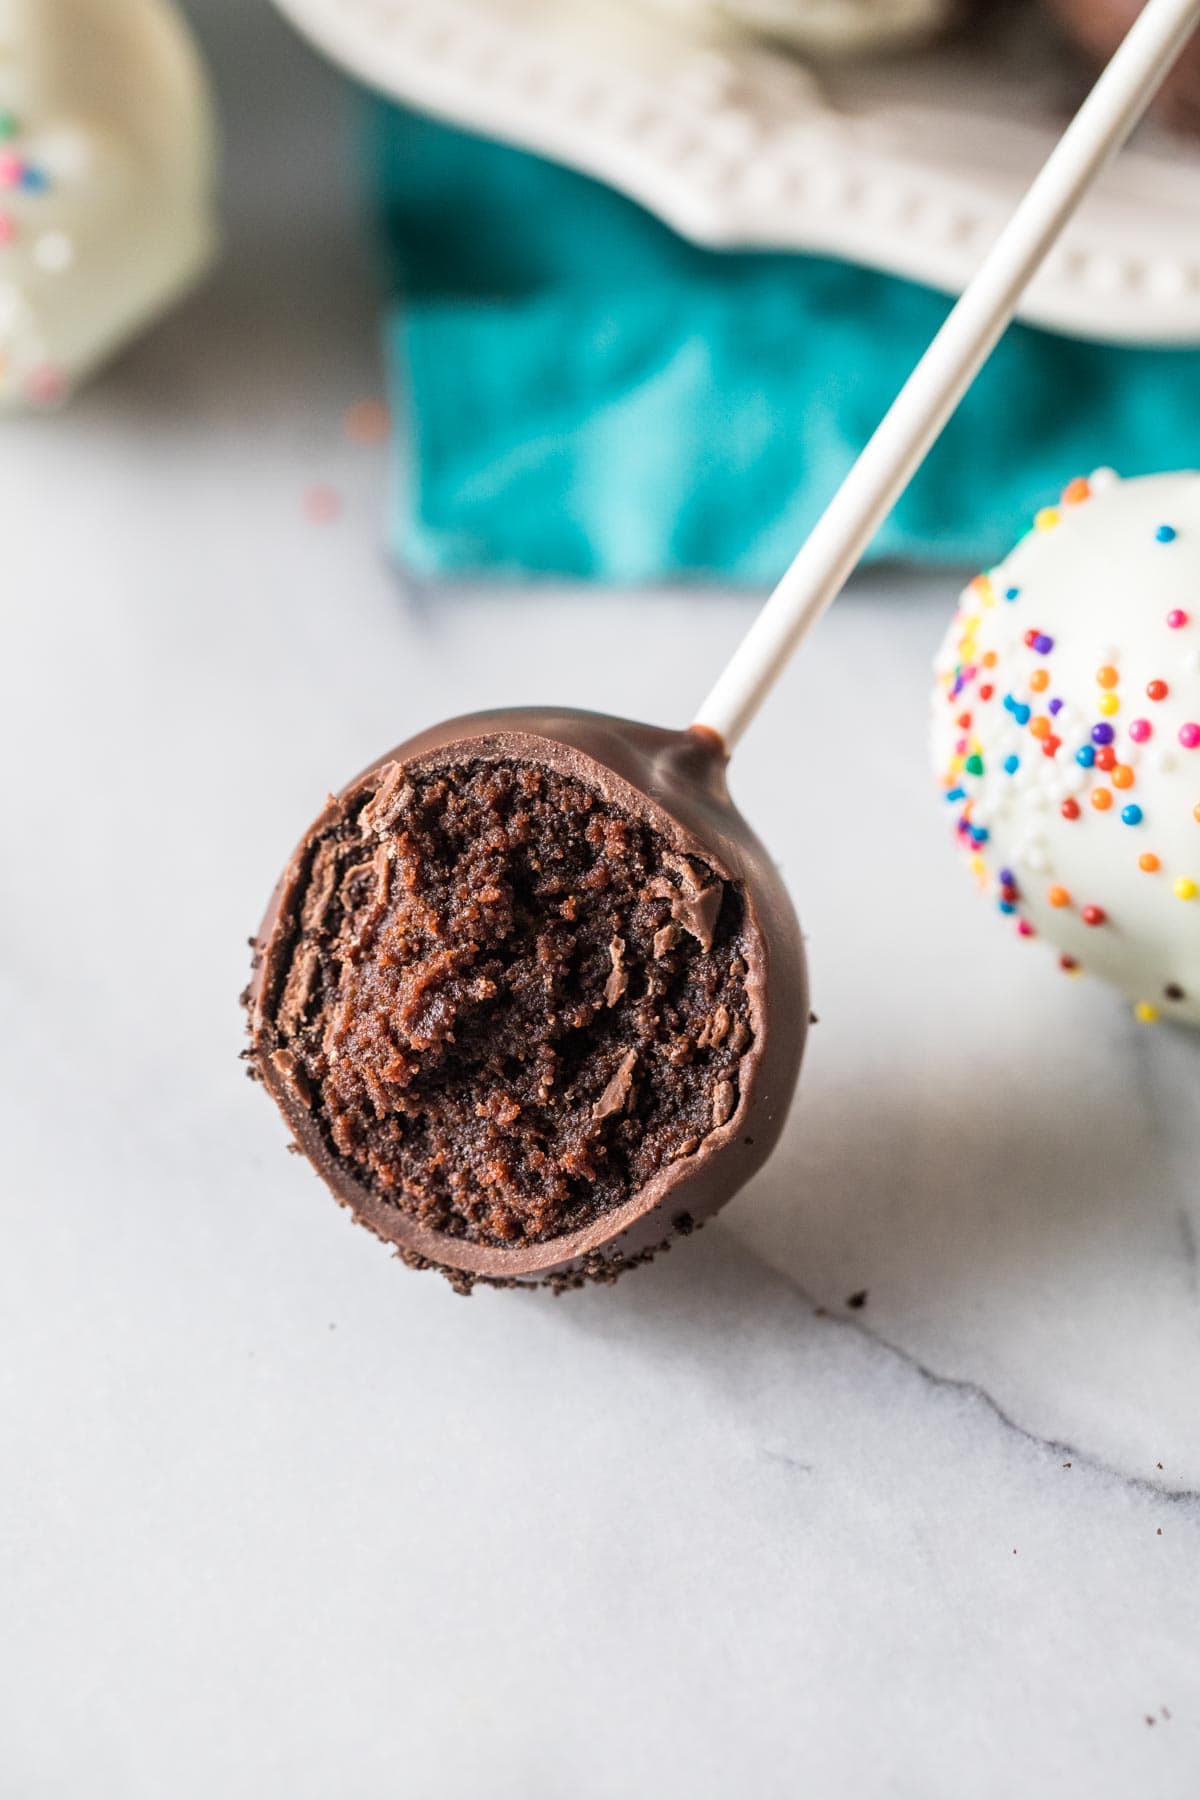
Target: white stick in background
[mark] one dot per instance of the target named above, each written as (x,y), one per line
(920,410)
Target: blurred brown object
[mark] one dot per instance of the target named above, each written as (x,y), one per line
(1096,27)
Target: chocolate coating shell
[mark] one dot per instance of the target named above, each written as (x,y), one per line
(675,782)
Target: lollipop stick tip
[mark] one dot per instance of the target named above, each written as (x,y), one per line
(710,740)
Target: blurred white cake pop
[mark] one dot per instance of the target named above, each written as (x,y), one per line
(106,158)
(1067,735)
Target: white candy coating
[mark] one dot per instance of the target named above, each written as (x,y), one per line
(1108,583)
(106,171)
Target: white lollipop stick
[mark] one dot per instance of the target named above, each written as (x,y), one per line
(916,416)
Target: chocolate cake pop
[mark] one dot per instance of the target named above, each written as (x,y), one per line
(532,996)
(1067,735)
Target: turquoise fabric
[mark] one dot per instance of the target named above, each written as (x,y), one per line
(583,393)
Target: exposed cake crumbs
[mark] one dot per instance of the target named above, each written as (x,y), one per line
(507,1004)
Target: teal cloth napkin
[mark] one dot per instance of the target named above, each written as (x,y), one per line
(584,393)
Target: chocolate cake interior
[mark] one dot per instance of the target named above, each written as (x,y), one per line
(506,1003)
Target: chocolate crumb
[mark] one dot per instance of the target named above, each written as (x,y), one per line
(618,981)
(720,1027)
(381,809)
(613,1099)
(290,1072)
(699,914)
(724,1101)
(299,990)
(695,902)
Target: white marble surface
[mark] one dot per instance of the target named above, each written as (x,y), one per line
(282,1521)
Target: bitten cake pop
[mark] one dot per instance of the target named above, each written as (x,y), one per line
(530,993)
(1067,735)
(105,183)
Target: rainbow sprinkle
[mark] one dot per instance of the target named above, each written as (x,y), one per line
(1001,717)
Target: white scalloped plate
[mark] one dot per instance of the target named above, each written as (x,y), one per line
(909,165)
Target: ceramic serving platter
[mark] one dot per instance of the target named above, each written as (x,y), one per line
(907,164)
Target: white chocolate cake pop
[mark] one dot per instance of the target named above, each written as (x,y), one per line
(105,183)
(1067,735)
